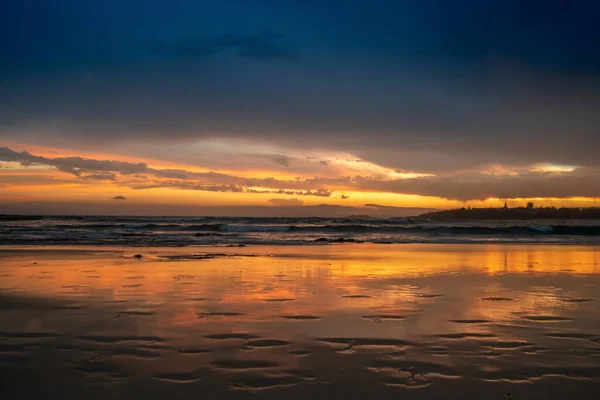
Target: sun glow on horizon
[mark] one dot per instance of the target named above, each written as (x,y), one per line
(549,167)
(259,179)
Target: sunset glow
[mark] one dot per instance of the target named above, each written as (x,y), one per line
(66,176)
(379,112)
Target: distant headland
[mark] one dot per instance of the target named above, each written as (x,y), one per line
(506,213)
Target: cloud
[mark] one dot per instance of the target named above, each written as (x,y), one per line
(264,47)
(74,165)
(379,206)
(585,183)
(130,174)
(101,176)
(119,198)
(508,183)
(279,159)
(286,202)
(317,192)
(186,185)
(400,84)
(190,47)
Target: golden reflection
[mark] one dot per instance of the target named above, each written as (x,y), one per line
(397,312)
(317,279)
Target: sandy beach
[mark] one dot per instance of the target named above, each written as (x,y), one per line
(392,321)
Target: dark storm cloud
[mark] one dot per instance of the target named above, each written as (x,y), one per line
(433,85)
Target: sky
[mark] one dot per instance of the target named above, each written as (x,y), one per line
(297,107)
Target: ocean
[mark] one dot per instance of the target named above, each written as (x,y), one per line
(237,231)
(235,308)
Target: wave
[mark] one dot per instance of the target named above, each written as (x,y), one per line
(283,240)
(423,229)
(189,231)
(456,230)
(255,228)
(363,228)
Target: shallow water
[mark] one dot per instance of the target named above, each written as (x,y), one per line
(420,321)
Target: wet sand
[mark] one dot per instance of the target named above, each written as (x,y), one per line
(345,321)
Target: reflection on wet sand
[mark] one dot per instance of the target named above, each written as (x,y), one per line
(478,320)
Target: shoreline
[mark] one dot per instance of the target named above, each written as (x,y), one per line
(278,247)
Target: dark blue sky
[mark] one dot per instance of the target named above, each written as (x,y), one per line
(465,82)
